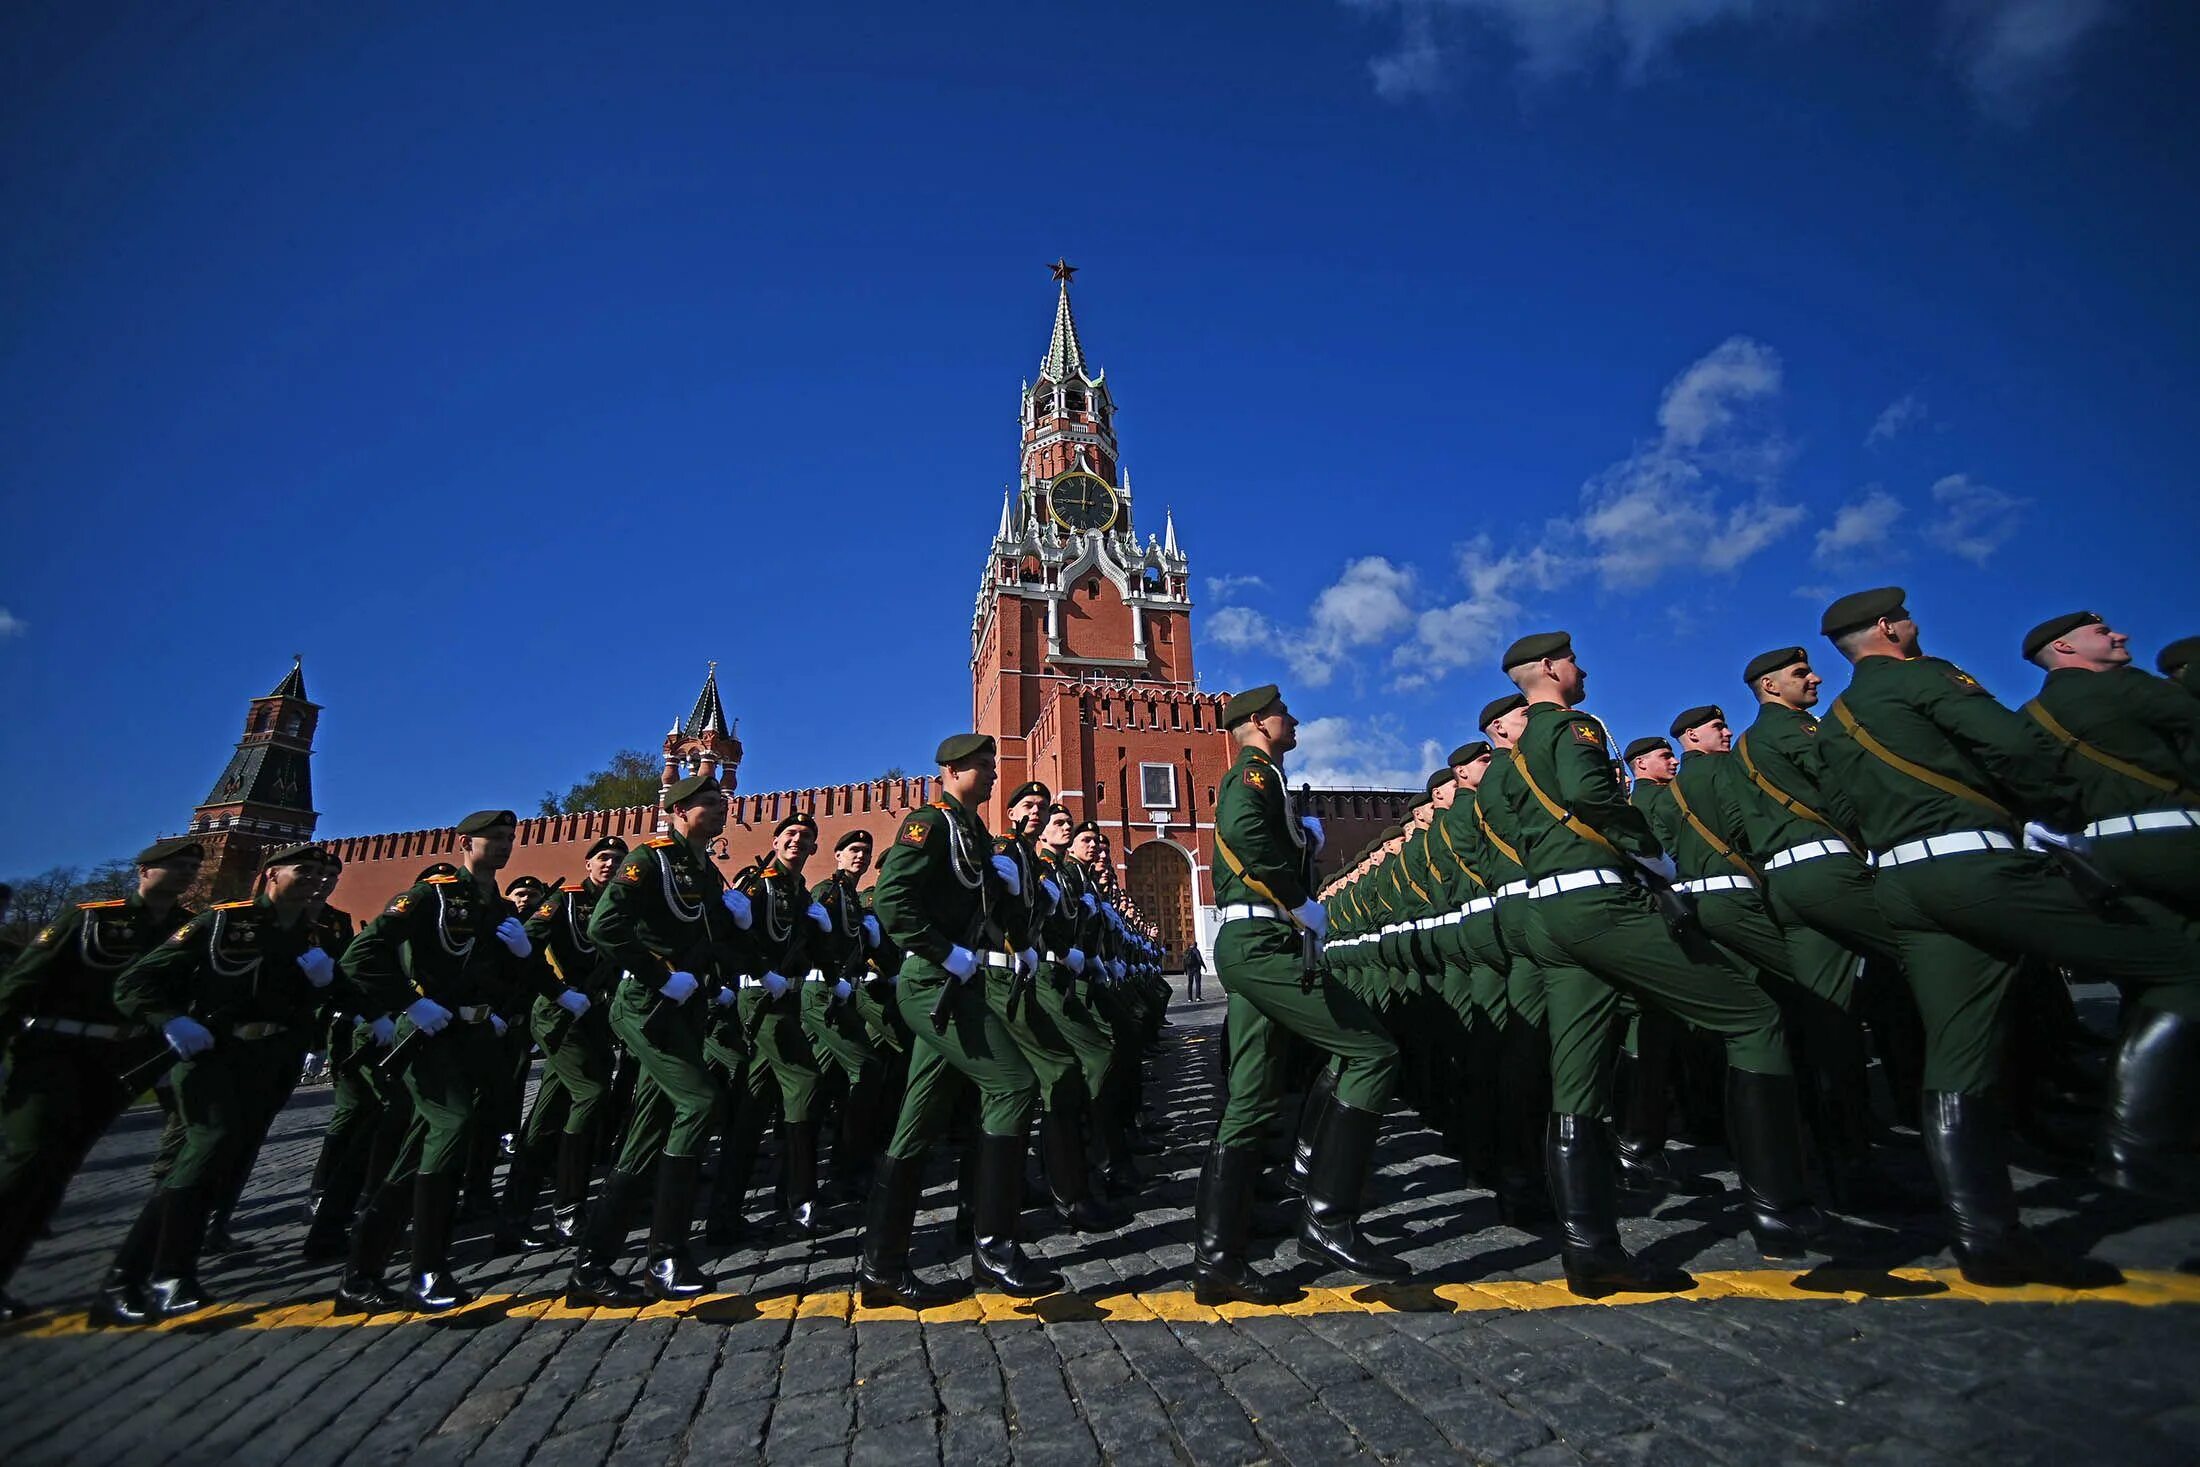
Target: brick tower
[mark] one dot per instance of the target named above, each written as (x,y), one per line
(702,743)
(264,799)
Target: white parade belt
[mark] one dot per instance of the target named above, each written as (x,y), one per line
(1566,881)
(1703,884)
(1955,843)
(2149,820)
(1810,851)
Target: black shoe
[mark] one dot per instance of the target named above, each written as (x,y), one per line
(676,1277)
(2147,1144)
(325,1242)
(179,1295)
(566,1222)
(799,1208)
(1765,1130)
(883,1274)
(365,1294)
(1588,1215)
(906,1289)
(220,1240)
(594,1283)
(1090,1215)
(996,1260)
(1964,1137)
(518,1235)
(1223,1211)
(1330,1231)
(122,1301)
(435,1292)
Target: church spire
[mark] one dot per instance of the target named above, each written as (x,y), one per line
(1065,358)
(293,684)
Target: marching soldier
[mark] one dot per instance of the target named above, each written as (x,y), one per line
(1268,958)
(449,953)
(839,1015)
(234,992)
(1943,779)
(1475,948)
(1525,1105)
(1597,928)
(67,1045)
(1116,1106)
(2134,742)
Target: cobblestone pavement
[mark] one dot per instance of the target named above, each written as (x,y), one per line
(1481,1360)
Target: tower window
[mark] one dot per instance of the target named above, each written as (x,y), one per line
(1074,402)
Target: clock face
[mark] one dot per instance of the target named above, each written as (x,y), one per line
(1081,502)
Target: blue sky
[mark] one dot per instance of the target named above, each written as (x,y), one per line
(510,372)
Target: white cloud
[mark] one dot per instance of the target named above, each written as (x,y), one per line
(1975,519)
(12,625)
(1470,630)
(1860,526)
(1905,412)
(1343,753)
(2006,52)
(1716,388)
(1366,605)
(1222,588)
(1241,629)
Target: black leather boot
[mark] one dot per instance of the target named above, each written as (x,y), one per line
(219,1239)
(799,1208)
(1841,1119)
(431,1289)
(996,1259)
(328,1235)
(728,1224)
(1640,1103)
(175,1287)
(1965,1140)
(672,1273)
(122,1298)
(883,1273)
(595,1280)
(1337,1179)
(1588,1215)
(1313,1112)
(1478,1103)
(569,1195)
(1765,1131)
(373,1237)
(2147,1142)
(1523,1109)
(515,1231)
(1063,1156)
(1223,1217)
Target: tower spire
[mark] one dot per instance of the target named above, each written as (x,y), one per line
(1008,528)
(1065,358)
(1168,533)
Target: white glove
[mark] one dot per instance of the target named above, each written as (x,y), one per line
(727,998)
(961,962)
(2038,837)
(1074,960)
(738,905)
(1122,970)
(187,1036)
(1027,961)
(574,1002)
(1313,826)
(318,966)
(1092,903)
(775,984)
(873,935)
(1054,892)
(1313,916)
(496,1022)
(680,987)
(514,937)
(1661,864)
(1011,877)
(383,1031)
(427,1015)
(842,988)
(821,917)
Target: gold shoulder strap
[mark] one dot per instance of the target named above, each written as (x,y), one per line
(1918,772)
(1704,832)
(1493,837)
(2106,760)
(1229,858)
(1458,860)
(1561,814)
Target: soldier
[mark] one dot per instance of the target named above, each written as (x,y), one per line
(2136,746)
(668,921)
(1597,928)
(787,942)
(234,992)
(66,1046)
(2180,663)
(573,1029)
(457,948)
(1471,947)
(1525,1091)
(1268,958)
(836,1012)
(1943,778)
(1116,1105)
(938,889)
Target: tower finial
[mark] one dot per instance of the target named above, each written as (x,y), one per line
(1063,270)
(1065,358)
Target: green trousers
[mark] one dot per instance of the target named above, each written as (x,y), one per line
(1966,922)
(1604,941)
(1257,962)
(226,1098)
(2161,866)
(975,1049)
(840,1035)
(1832,921)
(1065,1008)
(451,1075)
(577,1060)
(783,1059)
(882,1021)
(675,1098)
(1524,980)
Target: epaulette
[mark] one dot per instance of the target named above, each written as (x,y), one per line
(232,906)
(441,880)
(109,902)
(573,886)
(662,840)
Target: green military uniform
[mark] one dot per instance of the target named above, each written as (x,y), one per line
(1942,778)
(2179,662)
(841,1018)
(66,1046)
(1075,992)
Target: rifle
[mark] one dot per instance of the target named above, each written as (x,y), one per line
(143,1076)
(392,1064)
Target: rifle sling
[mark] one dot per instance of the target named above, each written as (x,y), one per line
(1929,777)
(2147,777)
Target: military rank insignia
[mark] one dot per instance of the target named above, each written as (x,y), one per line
(1256,776)
(630,872)
(401,906)
(1589,736)
(914,832)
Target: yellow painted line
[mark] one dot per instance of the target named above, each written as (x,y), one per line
(2141,1287)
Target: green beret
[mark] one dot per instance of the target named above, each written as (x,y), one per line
(1091,825)
(2048,630)
(800,818)
(1438,778)
(853,838)
(609,843)
(330,858)
(1420,800)
(2179,654)
(1028,788)
(161,852)
(1695,718)
(525,883)
(1862,608)
(684,790)
(1497,708)
(486,820)
(1770,662)
(1536,646)
(1468,752)
(1648,744)
(962,746)
(303,854)
(1248,704)
(434,869)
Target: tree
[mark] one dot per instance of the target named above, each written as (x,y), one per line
(41,899)
(894,771)
(633,777)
